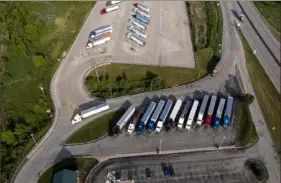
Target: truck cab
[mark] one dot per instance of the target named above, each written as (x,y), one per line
(216,123)
(159,126)
(226,121)
(208,120)
(140,128)
(131,128)
(150,126)
(169,125)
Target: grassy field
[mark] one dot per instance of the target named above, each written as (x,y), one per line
(30,56)
(267,96)
(95,129)
(83,165)
(124,79)
(246,132)
(271,11)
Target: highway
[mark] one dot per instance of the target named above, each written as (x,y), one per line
(68,91)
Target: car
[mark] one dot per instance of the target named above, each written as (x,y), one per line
(148,173)
(172,172)
(166,171)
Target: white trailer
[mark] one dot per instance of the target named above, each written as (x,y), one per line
(138,24)
(92,36)
(191,115)
(125,118)
(103,29)
(138,5)
(164,115)
(184,113)
(109,3)
(89,112)
(110,8)
(141,12)
(202,110)
(133,124)
(137,31)
(135,38)
(92,44)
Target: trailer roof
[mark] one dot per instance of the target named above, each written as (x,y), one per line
(124,118)
(229,106)
(166,110)
(148,111)
(97,106)
(186,108)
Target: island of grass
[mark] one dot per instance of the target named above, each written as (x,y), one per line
(123,79)
(82,165)
(258,169)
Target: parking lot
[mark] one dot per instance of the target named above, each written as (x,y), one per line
(168,41)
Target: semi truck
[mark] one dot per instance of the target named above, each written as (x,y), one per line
(94,35)
(170,123)
(138,24)
(142,19)
(135,38)
(218,67)
(103,36)
(137,31)
(228,110)
(109,3)
(142,7)
(240,14)
(109,9)
(133,124)
(94,43)
(141,124)
(102,29)
(89,112)
(184,113)
(219,113)
(124,119)
(155,115)
(164,115)
(141,12)
(191,115)
(210,110)
(202,110)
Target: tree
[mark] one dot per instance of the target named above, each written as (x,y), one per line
(124,76)
(8,137)
(118,79)
(39,61)
(106,76)
(31,32)
(248,98)
(150,75)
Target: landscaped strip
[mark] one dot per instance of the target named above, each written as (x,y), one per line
(82,165)
(266,94)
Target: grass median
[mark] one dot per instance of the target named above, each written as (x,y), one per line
(267,95)
(82,165)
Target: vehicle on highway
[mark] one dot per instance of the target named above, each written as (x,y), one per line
(141,12)
(141,124)
(172,171)
(191,115)
(218,67)
(95,43)
(170,123)
(138,24)
(148,173)
(164,115)
(135,38)
(228,110)
(184,113)
(142,18)
(124,119)
(155,115)
(133,124)
(219,113)
(240,14)
(137,31)
(211,110)
(109,3)
(202,110)
(89,112)
(142,7)
(109,9)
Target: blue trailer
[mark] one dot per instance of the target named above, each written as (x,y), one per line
(142,19)
(228,110)
(145,117)
(155,115)
(219,113)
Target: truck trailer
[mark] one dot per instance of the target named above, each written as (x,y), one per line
(142,19)
(133,124)
(170,123)
(124,119)
(109,3)
(89,112)
(102,29)
(155,115)
(94,36)
(141,124)
(138,24)
(219,65)
(137,31)
(141,12)
(94,43)
(240,14)
(142,7)
(164,115)
(184,113)
(228,110)
(191,115)
(202,110)
(219,113)
(109,9)
(135,38)
(211,110)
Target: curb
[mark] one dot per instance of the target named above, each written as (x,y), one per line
(260,164)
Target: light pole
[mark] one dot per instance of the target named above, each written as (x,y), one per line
(33,138)
(160,146)
(221,142)
(42,90)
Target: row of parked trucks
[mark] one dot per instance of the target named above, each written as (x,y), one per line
(157,115)
(139,23)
